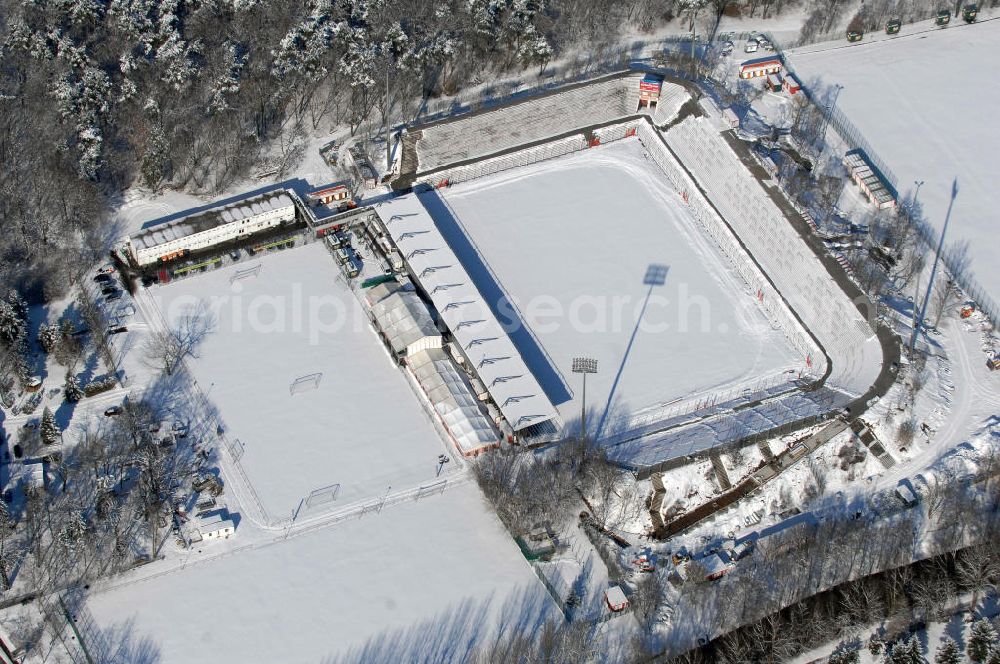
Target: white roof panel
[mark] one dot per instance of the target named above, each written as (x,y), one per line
(472,322)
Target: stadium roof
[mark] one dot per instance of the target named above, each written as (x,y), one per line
(452,399)
(401,315)
(202,221)
(472,322)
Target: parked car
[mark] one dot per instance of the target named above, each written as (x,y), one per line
(180,430)
(751,46)
(113,410)
(111,297)
(103,278)
(117,329)
(149,280)
(109,289)
(235,255)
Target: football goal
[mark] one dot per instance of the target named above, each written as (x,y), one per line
(245,273)
(305,383)
(322,496)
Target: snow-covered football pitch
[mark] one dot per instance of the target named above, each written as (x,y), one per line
(927,102)
(359,424)
(571,242)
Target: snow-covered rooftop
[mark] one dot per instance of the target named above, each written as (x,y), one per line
(218,216)
(470,318)
(401,315)
(453,401)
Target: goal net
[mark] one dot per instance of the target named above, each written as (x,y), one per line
(322,496)
(305,383)
(245,273)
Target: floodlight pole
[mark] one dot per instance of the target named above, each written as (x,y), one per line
(937,258)
(584,365)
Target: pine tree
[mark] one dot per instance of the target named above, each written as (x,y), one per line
(875,645)
(982,638)
(12,327)
(50,430)
(844,657)
(48,337)
(18,304)
(994,655)
(914,652)
(71,388)
(947,652)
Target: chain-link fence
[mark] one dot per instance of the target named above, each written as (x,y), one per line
(954,257)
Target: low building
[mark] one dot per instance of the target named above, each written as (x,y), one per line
(362,166)
(774,82)
(216,528)
(869,179)
(649,90)
(715,567)
(906,494)
(453,401)
(615,598)
(338,195)
(760,67)
(791,84)
(402,319)
(174,239)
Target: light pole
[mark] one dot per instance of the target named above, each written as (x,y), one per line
(584,365)
(830,107)
(913,205)
(937,258)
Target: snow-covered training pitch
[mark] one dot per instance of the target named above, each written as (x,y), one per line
(571,241)
(300,378)
(926,103)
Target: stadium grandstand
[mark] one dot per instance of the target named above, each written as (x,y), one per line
(574,107)
(478,341)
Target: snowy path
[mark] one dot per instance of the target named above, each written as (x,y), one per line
(976,397)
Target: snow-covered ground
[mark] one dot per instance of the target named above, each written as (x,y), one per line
(414,583)
(571,240)
(926,101)
(363,427)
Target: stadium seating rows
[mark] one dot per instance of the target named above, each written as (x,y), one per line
(795,270)
(535,119)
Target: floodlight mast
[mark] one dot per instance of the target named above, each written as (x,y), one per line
(584,365)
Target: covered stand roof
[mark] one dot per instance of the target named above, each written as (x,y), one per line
(401,315)
(202,221)
(453,400)
(472,322)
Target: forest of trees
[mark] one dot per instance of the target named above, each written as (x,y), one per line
(98,96)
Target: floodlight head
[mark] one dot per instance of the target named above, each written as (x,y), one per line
(584,365)
(656,275)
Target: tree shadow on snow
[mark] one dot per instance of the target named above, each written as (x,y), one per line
(116,644)
(455,634)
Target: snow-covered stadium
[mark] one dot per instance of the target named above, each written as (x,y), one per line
(526,215)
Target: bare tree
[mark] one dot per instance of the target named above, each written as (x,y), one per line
(978,570)
(166,349)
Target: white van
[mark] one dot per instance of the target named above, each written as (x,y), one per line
(342,256)
(751,46)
